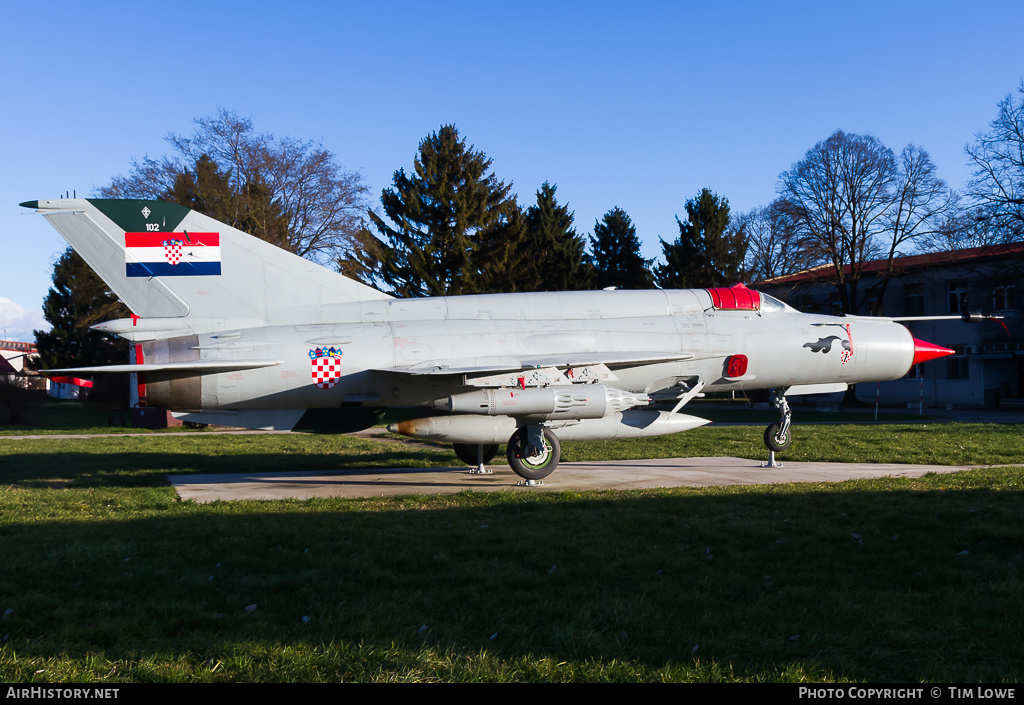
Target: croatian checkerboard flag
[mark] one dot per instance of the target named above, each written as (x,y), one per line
(171,254)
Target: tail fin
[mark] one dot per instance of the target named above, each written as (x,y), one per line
(165,261)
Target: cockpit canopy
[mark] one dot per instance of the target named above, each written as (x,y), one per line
(740,298)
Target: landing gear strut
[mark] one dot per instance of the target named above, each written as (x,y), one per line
(777,436)
(474,454)
(477,455)
(533,452)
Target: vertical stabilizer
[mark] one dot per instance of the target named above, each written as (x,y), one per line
(164,260)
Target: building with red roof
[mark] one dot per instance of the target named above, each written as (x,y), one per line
(13,356)
(989,365)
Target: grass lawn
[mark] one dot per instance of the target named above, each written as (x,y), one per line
(107,577)
(46,416)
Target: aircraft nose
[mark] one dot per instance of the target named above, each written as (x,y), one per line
(923,351)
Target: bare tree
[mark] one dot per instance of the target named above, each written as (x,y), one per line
(921,201)
(840,193)
(922,204)
(323,204)
(961,227)
(776,244)
(853,202)
(998,183)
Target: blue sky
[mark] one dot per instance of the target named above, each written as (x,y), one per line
(637,105)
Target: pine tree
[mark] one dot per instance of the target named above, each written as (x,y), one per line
(707,252)
(615,253)
(363,261)
(556,253)
(457,229)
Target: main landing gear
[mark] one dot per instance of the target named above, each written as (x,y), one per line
(533,453)
(473,453)
(478,454)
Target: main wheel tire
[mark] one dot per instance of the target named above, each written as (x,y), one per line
(775,440)
(538,466)
(467,453)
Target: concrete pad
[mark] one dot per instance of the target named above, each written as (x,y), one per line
(611,474)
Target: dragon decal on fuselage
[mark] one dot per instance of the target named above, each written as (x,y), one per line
(824,345)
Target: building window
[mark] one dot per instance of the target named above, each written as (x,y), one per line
(957,297)
(1003,298)
(875,306)
(956,364)
(913,300)
(916,371)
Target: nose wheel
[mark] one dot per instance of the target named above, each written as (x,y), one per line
(776,439)
(777,436)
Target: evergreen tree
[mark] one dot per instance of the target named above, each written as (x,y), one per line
(364,260)
(77,300)
(708,252)
(615,253)
(457,229)
(557,253)
(502,258)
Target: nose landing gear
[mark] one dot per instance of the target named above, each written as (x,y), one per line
(777,436)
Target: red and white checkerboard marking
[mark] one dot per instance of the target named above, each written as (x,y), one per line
(326,371)
(172,251)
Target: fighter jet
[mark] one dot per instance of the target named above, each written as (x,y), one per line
(228,329)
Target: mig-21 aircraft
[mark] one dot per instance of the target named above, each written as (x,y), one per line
(229,329)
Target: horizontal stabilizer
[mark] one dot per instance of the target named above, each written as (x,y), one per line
(154,328)
(199,367)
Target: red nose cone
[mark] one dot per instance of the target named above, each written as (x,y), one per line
(923,352)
